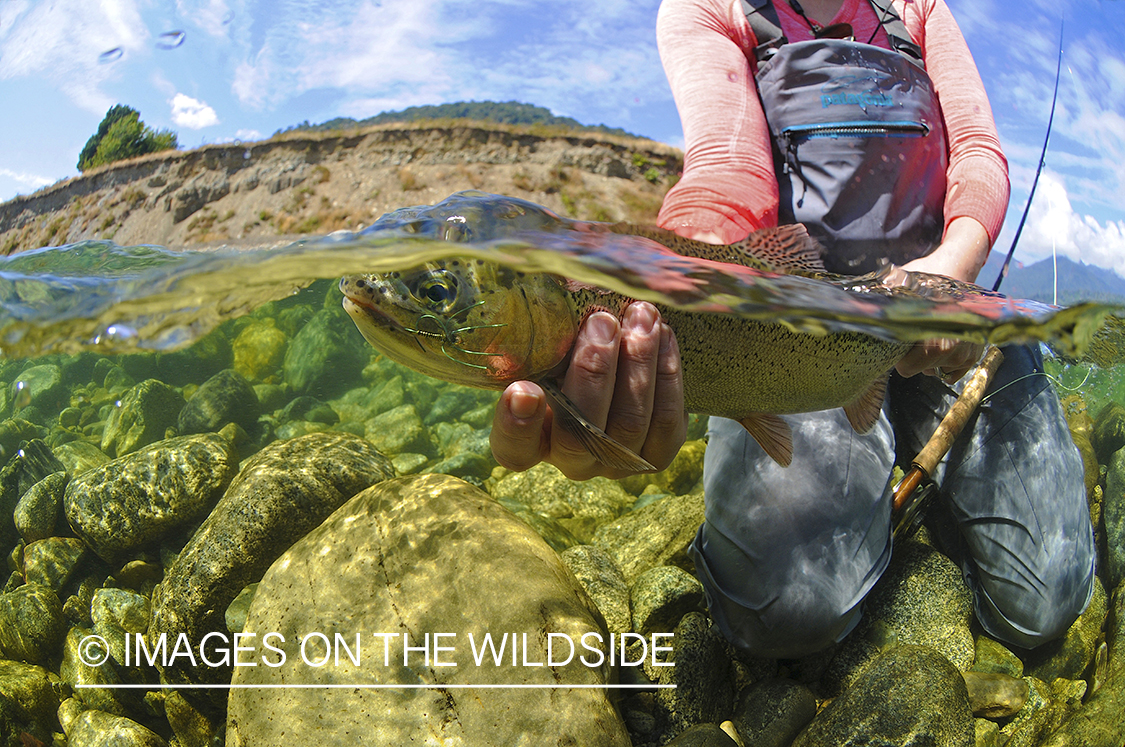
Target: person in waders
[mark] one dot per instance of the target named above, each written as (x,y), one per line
(865,120)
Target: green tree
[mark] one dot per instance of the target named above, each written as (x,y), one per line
(121,135)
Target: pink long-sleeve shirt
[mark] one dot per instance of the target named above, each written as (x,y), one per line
(729,187)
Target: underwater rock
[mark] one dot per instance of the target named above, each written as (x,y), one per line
(27,688)
(471,467)
(603,581)
(236,612)
(226,397)
(409,464)
(1099,721)
(658,534)
(12,432)
(548,529)
(545,490)
(992,657)
(1108,436)
(118,380)
(1113,516)
(1091,471)
(453,439)
(271,396)
(661,596)
(419,556)
(1068,657)
(146,412)
(399,430)
(680,477)
(987,733)
(1043,712)
(138,498)
(38,511)
(702,675)
(772,712)
(191,727)
(281,493)
(310,409)
(52,561)
(995,695)
(116,612)
(259,350)
(79,456)
(31,623)
(203,359)
(100,729)
(77,669)
(385,397)
(30,464)
(326,356)
(40,387)
(910,695)
(921,599)
(703,735)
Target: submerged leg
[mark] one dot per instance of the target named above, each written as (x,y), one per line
(1013,508)
(787,554)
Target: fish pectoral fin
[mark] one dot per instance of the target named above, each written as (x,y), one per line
(863,413)
(594,439)
(773,434)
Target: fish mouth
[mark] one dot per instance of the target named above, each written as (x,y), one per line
(358,308)
(368,318)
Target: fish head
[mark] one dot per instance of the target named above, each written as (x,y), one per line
(464,321)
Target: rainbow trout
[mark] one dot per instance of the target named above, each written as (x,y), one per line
(483,324)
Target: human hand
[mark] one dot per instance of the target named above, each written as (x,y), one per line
(959,257)
(625,377)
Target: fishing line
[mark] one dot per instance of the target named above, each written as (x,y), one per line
(1038,170)
(1056,380)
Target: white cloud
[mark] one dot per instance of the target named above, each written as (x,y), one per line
(24,179)
(1053,221)
(588,59)
(193,114)
(62,40)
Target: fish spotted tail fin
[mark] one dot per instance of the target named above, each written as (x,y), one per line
(773,434)
(594,439)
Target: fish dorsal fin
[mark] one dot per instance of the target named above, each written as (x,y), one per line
(864,411)
(772,433)
(785,249)
(594,439)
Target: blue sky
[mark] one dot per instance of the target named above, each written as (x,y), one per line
(218,70)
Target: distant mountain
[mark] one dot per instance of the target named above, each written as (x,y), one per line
(507,112)
(1078,281)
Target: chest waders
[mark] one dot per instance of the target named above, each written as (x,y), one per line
(859,142)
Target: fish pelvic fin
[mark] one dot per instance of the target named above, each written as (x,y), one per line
(787,249)
(773,434)
(594,439)
(863,413)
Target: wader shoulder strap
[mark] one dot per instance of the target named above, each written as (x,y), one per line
(766,25)
(896,30)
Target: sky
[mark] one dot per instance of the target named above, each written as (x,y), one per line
(224,70)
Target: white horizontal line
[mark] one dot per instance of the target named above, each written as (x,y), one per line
(375,687)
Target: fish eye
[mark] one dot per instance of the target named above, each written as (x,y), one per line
(437,290)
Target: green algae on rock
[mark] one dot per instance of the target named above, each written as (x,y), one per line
(281,493)
(138,498)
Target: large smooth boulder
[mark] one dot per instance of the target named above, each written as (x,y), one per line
(420,556)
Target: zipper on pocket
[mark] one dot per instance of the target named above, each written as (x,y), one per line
(855,129)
